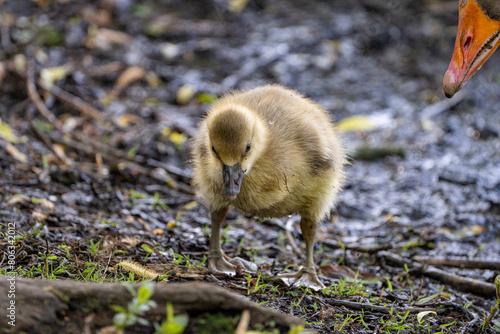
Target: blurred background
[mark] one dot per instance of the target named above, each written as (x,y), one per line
(423,168)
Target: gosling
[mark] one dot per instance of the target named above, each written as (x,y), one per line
(268,152)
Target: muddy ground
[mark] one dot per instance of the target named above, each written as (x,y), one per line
(422,181)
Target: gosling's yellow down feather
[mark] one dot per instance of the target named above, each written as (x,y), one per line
(268,152)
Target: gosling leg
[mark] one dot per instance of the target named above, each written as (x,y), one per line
(218,262)
(307,275)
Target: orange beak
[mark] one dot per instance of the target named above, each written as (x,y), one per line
(477,38)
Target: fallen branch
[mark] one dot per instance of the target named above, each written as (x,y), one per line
(185,176)
(53,306)
(37,100)
(73,101)
(459,262)
(458,282)
(362,249)
(253,65)
(451,306)
(244,322)
(380,309)
(443,105)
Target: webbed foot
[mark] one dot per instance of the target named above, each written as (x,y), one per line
(244,264)
(303,278)
(222,264)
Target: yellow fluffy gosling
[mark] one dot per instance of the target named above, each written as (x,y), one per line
(268,152)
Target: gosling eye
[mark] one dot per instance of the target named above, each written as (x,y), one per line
(215,152)
(249,146)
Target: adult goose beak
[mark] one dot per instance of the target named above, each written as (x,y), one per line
(478,36)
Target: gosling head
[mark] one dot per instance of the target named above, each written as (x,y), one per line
(237,138)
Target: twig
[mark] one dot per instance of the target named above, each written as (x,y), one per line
(459,262)
(81,148)
(443,105)
(40,134)
(380,309)
(461,283)
(253,65)
(170,169)
(451,305)
(153,248)
(302,297)
(73,101)
(244,322)
(361,249)
(35,98)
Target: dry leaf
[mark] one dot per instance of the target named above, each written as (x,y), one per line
(42,3)
(190,205)
(421,315)
(153,80)
(99,163)
(38,215)
(126,120)
(71,123)
(50,75)
(158,231)
(145,224)
(15,153)
(20,64)
(2,72)
(7,134)
(427,124)
(104,39)
(47,205)
(169,51)
(130,220)
(129,76)
(335,270)
(356,123)
(99,17)
(185,94)
(177,138)
(130,241)
(237,5)
(17,198)
(477,229)
(59,151)
(162,175)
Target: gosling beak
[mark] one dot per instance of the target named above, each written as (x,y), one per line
(232,177)
(478,37)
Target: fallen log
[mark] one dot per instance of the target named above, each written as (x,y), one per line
(55,306)
(458,262)
(464,284)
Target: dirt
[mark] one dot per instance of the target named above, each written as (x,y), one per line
(432,188)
